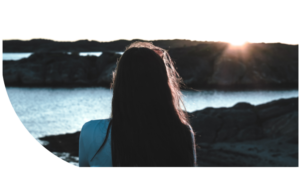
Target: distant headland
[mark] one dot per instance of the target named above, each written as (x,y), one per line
(45,45)
(200,64)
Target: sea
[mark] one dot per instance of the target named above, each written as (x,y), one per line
(18,56)
(52,111)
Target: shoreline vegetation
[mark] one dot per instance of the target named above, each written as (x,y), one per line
(202,65)
(243,135)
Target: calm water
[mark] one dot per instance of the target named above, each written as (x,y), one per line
(14,56)
(49,111)
(17,56)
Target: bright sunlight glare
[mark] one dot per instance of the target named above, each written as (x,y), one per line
(237,42)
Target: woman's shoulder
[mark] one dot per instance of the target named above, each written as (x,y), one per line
(91,138)
(95,125)
(96,122)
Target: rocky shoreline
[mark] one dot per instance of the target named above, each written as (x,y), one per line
(244,135)
(202,66)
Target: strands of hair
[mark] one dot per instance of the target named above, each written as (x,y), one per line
(148,127)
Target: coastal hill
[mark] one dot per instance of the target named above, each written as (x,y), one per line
(200,64)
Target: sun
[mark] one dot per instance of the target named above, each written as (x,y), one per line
(237,42)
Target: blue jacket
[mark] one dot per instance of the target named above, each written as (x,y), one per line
(91,138)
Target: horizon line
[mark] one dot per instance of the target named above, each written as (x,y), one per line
(144,40)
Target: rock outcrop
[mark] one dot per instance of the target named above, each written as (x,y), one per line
(247,135)
(242,135)
(60,69)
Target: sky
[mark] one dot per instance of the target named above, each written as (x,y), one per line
(226,20)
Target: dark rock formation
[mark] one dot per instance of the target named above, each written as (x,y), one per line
(43,45)
(63,143)
(206,65)
(242,135)
(60,69)
(247,135)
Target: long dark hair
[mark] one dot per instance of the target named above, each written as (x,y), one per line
(148,126)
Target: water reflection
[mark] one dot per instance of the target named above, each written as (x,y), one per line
(202,99)
(18,56)
(15,56)
(90,53)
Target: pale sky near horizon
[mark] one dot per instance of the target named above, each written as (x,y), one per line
(230,21)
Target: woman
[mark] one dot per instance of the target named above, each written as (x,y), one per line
(147,126)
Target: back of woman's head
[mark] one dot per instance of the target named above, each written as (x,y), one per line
(148,126)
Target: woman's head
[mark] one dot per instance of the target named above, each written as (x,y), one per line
(148,125)
(146,73)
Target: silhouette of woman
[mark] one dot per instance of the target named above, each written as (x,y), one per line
(147,126)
